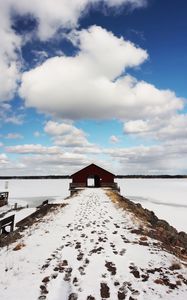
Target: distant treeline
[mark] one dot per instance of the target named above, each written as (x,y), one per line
(68,177)
(151,176)
(36,177)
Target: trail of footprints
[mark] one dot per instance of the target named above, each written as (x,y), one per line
(90,226)
(96,232)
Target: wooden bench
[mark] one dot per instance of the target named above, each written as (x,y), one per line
(9,221)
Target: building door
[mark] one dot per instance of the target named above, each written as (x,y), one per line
(97,182)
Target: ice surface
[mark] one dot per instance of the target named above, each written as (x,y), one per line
(34,192)
(166,197)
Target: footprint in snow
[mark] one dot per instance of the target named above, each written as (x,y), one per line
(104,290)
(80,256)
(73,296)
(110,267)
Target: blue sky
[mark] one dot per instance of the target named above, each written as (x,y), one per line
(93,81)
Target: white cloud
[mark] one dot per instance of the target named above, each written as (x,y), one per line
(174,127)
(3,159)
(93,150)
(54,14)
(56,129)
(5,109)
(37,159)
(37,134)
(61,159)
(64,163)
(14,136)
(40,56)
(33,149)
(16,119)
(136,127)
(134,3)
(104,54)
(9,76)
(91,84)
(168,158)
(50,15)
(66,135)
(114,139)
(7,115)
(10,45)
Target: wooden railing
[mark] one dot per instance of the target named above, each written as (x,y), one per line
(9,221)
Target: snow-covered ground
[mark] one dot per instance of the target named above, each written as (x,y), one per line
(166,197)
(86,251)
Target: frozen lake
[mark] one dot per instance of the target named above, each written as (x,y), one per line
(166,197)
(34,192)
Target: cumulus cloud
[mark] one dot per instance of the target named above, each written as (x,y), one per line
(9,116)
(167,158)
(61,159)
(93,84)
(174,127)
(9,60)
(93,150)
(64,163)
(33,149)
(54,14)
(156,159)
(39,159)
(66,135)
(17,119)
(50,16)
(9,77)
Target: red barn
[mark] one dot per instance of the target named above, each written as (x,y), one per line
(101,177)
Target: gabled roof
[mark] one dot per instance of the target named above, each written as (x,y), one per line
(89,167)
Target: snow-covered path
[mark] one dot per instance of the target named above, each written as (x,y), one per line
(87,251)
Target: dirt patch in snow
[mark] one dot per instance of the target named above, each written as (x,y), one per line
(150,225)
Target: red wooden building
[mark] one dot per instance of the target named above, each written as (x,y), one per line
(101,178)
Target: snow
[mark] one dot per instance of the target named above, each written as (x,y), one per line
(20,214)
(34,192)
(72,247)
(166,197)
(31,193)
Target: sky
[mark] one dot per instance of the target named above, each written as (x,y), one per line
(93,81)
